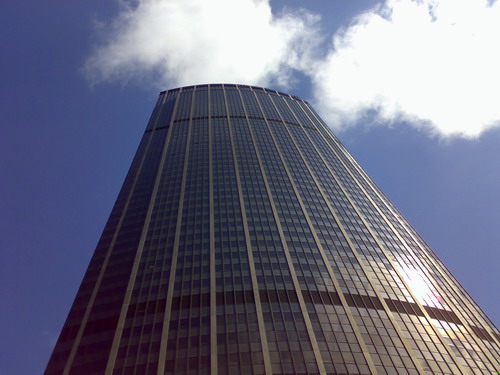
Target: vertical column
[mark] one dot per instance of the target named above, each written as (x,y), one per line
(312,158)
(133,273)
(171,283)
(257,112)
(188,345)
(251,263)
(279,135)
(213,300)
(239,346)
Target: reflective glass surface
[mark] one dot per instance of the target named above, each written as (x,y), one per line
(247,240)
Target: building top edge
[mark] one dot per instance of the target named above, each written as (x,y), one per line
(189,87)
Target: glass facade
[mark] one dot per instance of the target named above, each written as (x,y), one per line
(246,240)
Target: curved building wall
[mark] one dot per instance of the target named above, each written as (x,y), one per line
(247,240)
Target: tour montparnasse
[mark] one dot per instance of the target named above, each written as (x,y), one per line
(247,240)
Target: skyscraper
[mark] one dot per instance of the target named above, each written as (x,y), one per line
(247,240)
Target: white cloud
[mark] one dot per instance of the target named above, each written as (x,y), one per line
(181,42)
(433,63)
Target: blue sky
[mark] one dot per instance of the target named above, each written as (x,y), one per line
(412,92)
